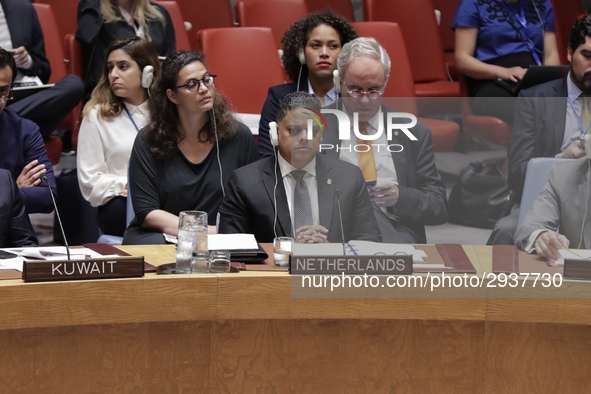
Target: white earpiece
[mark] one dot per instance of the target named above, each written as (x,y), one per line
(336,80)
(147,76)
(273,136)
(302,57)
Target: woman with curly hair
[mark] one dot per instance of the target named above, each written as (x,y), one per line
(310,50)
(112,118)
(183,158)
(101,22)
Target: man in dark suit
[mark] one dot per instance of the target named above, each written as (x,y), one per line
(22,151)
(23,35)
(408,193)
(259,198)
(549,123)
(15,227)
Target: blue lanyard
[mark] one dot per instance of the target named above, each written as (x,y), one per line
(572,105)
(523,22)
(131,118)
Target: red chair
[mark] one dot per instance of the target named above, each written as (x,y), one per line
(250,50)
(279,15)
(425,49)
(180,31)
(483,127)
(67,17)
(566,13)
(205,14)
(75,65)
(340,7)
(400,84)
(448,12)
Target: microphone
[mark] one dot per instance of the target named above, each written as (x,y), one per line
(338,193)
(57,213)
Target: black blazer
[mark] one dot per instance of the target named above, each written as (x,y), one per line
(538,129)
(248,206)
(15,227)
(25,30)
(422,200)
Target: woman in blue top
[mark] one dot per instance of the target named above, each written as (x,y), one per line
(499,39)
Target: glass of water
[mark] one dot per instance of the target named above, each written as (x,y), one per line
(282,251)
(220,261)
(201,262)
(192,237)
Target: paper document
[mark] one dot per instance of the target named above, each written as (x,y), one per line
(49,253)
(224,241)
(573,254)
(361,248)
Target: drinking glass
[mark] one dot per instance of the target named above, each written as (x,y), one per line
(282,251)
(192,237)
(201,262)
(220,261)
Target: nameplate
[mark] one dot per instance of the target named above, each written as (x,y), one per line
(577,269)
(371,265)
(106,268)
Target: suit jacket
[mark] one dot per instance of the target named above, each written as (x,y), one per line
(563,206)
(21,144)
(269,112)
(15,227)
(538,128)
(25,30)
(248,206)
(422,200)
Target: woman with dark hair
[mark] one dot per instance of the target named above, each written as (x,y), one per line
(496,40)
(116,112)
(310,50)
(101,22)
(183,158)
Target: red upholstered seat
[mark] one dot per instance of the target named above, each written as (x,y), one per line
(246,62)
(340,7)
(566,13)
(54,146)
(205,14)
(180,31)
(448,12)
(400,83)
(66,15)
(279,15)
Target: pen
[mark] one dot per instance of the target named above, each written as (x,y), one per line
(567,249)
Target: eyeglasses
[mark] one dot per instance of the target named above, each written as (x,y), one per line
(4,99)
(193,84)
(371,93)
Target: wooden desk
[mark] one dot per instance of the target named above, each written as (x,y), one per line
(245,333)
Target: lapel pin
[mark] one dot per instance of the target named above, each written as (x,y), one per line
(396,133)
(329,181)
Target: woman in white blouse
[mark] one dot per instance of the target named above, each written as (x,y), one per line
(117,110)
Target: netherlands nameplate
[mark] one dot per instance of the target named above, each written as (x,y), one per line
(372,265)
(101,268)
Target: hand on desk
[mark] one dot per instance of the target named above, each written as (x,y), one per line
(549,243)
(312,234)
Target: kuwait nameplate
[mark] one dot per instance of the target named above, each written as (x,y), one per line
(101,268)
(374,265)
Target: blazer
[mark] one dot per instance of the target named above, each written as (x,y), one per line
(563,206)
(538,129)
(249,204)
(21,144)
(15,227)
(422,199)
(25,30)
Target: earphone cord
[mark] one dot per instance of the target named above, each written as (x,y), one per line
(217,143)
(275,197)
(299,77)
(586,205)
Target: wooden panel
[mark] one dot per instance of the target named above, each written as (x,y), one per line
(346,356)
(537,358)
(543,310)
(154,357)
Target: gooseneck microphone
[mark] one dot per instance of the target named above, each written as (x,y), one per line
(57,213)
(338,193)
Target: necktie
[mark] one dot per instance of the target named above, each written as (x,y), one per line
(302,206)
(367,163)
(585,114)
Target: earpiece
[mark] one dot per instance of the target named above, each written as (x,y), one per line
(273,136)
(336,80)
(147,77)
(302,57)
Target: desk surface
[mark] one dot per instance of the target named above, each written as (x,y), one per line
(267,295)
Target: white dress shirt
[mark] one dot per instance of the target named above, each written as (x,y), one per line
(104,148)
(289,183)
(331,95)
(6,41)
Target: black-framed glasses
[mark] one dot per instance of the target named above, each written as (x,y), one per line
(371,93)
(193,84)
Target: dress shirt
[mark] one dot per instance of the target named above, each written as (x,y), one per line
(104,148)
(289,183)
(6,41)
(331,95)
(385,169)
(572,130)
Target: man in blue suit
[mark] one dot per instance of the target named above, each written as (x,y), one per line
(22,151)
(21,33)
(15,227)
